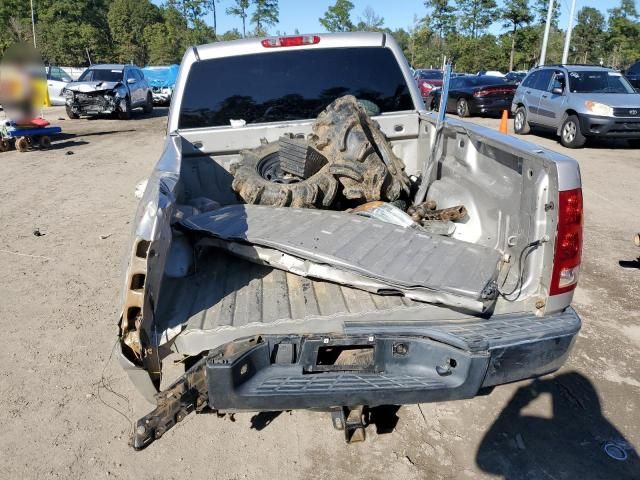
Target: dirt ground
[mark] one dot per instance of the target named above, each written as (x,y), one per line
(65,409)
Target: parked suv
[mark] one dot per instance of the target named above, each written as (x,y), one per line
(578,102)
(110,89)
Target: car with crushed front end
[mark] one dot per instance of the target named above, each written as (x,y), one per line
(475,95)
(259,264)
(108,89)
(578,102)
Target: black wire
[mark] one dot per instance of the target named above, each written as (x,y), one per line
(521,268)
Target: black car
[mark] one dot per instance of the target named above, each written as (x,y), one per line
(475,95)
(633,74)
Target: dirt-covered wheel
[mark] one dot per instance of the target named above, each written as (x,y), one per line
(257,181)
(44,142)
(359,155)
(5,145)
(22,144)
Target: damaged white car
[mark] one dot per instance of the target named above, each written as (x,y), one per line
(318,240)
(108,89)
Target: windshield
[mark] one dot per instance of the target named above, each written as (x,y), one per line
(101,75)
(290,85)
(429,74)
(598,82)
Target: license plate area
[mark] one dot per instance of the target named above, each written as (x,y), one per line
(339,355)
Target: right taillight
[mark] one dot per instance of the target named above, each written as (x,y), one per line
(568,249)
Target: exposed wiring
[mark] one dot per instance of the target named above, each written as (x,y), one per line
(524,254)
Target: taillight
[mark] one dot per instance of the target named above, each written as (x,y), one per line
(296,41)
(426,85)
(568,250)
(481,93)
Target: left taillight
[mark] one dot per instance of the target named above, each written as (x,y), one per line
(295,41)
(568,248)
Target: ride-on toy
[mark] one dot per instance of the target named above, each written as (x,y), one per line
(24,135)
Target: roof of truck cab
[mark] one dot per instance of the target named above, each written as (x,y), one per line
(578,68)
(254,45)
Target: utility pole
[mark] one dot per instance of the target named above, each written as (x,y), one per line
(567,38)
(33,25)
(545,40)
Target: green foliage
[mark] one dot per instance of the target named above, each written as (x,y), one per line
(337,18)
(370,21)
(166,41)
(588,36)
(541,9)
(127,22)
(476,16)
(265,14)
(239,9)
(624,34)
(441,16)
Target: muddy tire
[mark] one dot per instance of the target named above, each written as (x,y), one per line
(359,155)
(22,144)
(317,191)
(5,145)
(70,114)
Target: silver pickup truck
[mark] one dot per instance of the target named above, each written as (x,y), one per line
(275,308)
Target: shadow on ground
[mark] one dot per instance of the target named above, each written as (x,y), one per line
(569,445)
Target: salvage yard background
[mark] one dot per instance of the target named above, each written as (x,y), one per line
(65,408)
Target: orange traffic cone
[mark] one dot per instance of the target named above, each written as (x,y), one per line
(503,122)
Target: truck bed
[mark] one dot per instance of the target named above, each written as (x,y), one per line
(229,297)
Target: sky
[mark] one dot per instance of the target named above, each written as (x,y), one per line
(304,14)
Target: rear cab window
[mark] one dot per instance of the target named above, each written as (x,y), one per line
(290,85)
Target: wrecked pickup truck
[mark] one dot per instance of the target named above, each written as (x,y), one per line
(108,89)
(284,255)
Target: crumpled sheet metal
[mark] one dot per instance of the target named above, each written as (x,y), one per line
(403,260)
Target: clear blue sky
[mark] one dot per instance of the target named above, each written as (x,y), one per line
(304,14)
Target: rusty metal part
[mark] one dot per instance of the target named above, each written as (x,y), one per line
(359,155)
(367,206)
(418,212)
(186,395)
(317,191)
(453,214)
(351,420)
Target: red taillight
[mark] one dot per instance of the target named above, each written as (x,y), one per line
(296,41)
(481,93)
(568,250)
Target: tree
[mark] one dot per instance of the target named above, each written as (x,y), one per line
(239,9)
(588,35)
(441,17)
(370,21)
(515,13)
(624,34)
(127,22)
(476,15)
(231,35)
(337,18)
(265,13)
(67,29)
(541,8)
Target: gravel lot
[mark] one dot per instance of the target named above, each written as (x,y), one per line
(65,408)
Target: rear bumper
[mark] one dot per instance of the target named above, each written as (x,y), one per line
(416,362)
(491,105)
(618,127)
